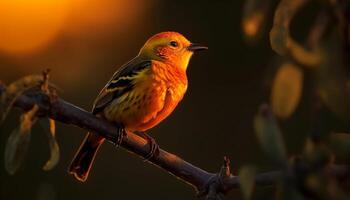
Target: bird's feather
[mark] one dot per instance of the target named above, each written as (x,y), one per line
(121,82)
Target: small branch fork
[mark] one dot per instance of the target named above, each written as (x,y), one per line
(209,185)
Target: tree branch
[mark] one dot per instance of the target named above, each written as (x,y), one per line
(204,182)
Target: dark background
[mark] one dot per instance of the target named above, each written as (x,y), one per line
(226,86)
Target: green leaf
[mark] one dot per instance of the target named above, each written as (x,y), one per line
(247,181)
(269,136)
(286,90)
(18,142)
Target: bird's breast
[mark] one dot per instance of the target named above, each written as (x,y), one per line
(151,100)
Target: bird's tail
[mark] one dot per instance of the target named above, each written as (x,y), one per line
(83,159)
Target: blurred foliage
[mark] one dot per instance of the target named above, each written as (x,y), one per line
(286,90)
(325,56)
(269,136)
(14,90)
(247,177)
(19,140)
(280,38)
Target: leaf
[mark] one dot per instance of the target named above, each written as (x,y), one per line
(247,180)
(14,90)
(286,90)
(18,142)
(254,17)
(332,81)
(54,148)
(280,39)
(269,136)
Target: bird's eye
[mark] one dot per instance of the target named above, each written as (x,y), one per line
(174,44)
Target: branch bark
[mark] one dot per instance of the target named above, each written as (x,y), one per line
(204,182)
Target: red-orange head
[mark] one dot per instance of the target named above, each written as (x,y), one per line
(170,47)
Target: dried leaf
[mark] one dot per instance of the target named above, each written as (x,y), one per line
(270,136)
(54,148)
(254,16)
(280,38)
(14,90)
(247,181)
(18,142)
(286,90)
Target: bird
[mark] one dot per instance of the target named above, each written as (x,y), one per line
(140,94)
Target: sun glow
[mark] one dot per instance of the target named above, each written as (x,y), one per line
(27,25)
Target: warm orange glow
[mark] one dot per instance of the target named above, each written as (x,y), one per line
(27,25)
(94,16)
(252,24)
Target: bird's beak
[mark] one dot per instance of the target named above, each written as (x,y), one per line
(196,47)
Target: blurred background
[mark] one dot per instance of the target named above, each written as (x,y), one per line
(84,41)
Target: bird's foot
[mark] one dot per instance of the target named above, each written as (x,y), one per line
(153,144)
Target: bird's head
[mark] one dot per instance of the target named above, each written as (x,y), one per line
(170,47)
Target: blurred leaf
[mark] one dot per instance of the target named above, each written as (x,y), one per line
(332,81)
(340,144)
(14,90)
(286,90)
(254,17)
(247,180)
(279,35)
(322,186)
(18,142)
(54,148)
(280,39)
(270,136)
(305,57)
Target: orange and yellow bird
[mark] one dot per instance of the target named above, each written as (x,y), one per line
(141,93)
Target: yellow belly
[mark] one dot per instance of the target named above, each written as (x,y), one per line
(145,106)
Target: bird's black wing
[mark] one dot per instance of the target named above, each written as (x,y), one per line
(121,82)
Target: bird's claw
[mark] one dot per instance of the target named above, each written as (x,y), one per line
(154,147)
